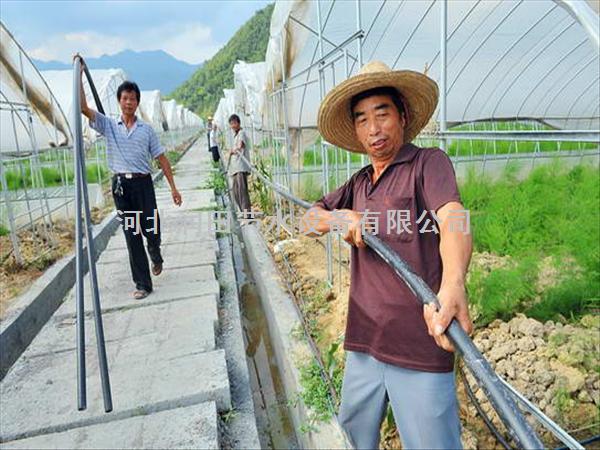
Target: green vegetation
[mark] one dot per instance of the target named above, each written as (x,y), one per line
(315,392)
(202,92)
(311,189)
(262,194)
(313,157)
(52,176)
(551,216)
(480,147)
(216,181)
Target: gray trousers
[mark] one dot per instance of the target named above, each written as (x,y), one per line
(424,404)
(240,191)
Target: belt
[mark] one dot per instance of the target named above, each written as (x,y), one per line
(130,175)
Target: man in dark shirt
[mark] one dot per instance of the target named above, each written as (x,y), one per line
(396,349)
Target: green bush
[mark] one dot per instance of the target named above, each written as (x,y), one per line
(553,212)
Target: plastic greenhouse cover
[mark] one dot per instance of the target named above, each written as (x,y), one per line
(225,109)
(249,81)
(505,60)
(49,123)
(181,116)
(171,113)
(151,110)
(106,81)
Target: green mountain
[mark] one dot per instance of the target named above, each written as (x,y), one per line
(202,92)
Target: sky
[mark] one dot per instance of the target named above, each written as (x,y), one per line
(191,31)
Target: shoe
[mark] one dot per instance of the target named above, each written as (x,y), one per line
(140,294)
(156,269)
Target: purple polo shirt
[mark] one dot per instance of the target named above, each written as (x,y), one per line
(385,319)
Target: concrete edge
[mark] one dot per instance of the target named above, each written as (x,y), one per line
(283,318)
(30,312)
(242,429)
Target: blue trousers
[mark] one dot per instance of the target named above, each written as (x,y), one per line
(424,404)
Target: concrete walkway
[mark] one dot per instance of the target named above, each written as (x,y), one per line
(168,377)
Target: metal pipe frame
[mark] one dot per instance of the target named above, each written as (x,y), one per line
(501,58)
(443,70)
(414,30)
(529,135)
(522,70)
(82,201)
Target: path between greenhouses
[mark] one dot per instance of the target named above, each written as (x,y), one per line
(168,369)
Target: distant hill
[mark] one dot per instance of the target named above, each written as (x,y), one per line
(201,93)
(153,69)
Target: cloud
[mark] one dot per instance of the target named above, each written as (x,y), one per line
(61,47)
(191,42)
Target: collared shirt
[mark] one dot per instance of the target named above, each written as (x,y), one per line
(237,164)
(385,319)
(128,150)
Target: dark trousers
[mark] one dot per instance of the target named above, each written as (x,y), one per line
(215,153)
(240,191)
(136,205)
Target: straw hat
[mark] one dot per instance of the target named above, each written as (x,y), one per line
(418,92)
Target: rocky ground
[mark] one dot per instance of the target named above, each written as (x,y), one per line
(555,365)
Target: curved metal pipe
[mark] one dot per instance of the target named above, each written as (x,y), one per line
(82,201)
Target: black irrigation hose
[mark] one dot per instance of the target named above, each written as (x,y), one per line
(481,412)
(493,428)
(501,399)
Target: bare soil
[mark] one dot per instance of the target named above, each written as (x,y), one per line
(308,258)
(38,254)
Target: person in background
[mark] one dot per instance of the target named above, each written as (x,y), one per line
(214,143)
(238,169)
(130,145)
(209,124)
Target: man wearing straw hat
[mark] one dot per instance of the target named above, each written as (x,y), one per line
(396,349)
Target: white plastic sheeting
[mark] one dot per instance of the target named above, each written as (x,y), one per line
(225,109)
(192,120)
(49,126)
(106,82)
(249,82)
(151,110)
(505,59)
(171,113)
(182,116)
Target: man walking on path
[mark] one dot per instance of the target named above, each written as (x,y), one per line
(130,144)
(238,168)
(214,143)
(396,350)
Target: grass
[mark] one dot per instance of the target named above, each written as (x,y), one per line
(311,189)
(553,212)
(261,193)
(315,392)
(217,182)
(313,156)
(52,176)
